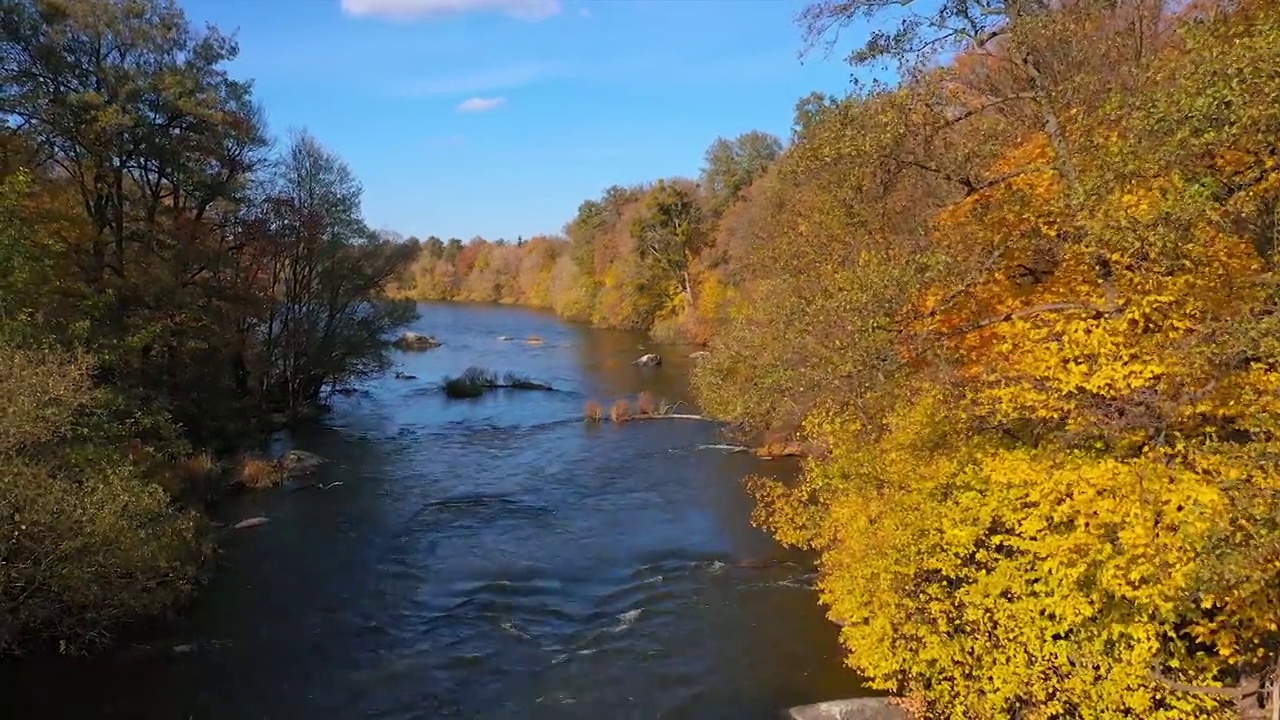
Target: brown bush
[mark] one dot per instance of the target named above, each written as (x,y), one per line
(592,411)
(255,473)
(193,480)
(621,411)
(646,404)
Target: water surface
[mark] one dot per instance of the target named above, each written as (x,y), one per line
(488,558)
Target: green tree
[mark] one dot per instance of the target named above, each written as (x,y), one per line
(669,232)
(730,166)
(808,111)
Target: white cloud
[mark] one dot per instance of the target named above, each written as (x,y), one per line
(479,104)
(530,10)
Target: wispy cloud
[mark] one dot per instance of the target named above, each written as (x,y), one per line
(528,10)
(479,104)
(481,81)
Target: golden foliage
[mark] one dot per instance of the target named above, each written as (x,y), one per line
(1048,404)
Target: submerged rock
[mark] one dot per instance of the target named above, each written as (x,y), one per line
(405,376)
(650,360)
(850,709)
(300,462)
(414,341)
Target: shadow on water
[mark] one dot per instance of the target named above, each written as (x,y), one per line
(487,558)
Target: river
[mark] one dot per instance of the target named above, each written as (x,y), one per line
(487,558)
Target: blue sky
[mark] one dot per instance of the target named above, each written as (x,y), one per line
(497,117)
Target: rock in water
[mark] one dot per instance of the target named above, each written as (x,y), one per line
(851,709)
(650,360)
(700,355)
(300,462)
(250,522)
(414,341)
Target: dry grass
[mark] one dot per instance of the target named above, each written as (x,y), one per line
(190,480)
(646,404)
(593,411)
(255,473)
(621,411)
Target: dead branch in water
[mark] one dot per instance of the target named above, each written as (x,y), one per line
(767,452)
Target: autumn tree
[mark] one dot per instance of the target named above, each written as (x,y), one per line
(327,323)
(730,166)
(809,110)
(160,293)
(1038,384)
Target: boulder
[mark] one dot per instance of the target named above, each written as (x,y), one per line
(250,522)
(414,341)
(650,360)
(700,355)
(850,709)
(300,462)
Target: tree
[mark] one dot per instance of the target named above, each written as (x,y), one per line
(809,110)
(452,248)
(669,233)
(433,247)
(730,166)
(1018,42)
(328,323)
(135,113)
(1040,406)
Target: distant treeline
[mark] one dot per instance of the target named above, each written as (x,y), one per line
(659,257)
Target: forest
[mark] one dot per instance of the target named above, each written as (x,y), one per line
(1022,305)
(173,283)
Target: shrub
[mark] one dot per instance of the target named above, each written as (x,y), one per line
(256,473)
(89,540)
(471,383)
(192,480)
(621,411)
(645,403)
(593,411)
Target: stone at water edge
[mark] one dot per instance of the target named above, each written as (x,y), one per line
(650,360)
(250,522)
(850,709)
(700,355)
(300,462)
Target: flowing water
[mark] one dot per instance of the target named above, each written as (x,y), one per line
(487,558)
